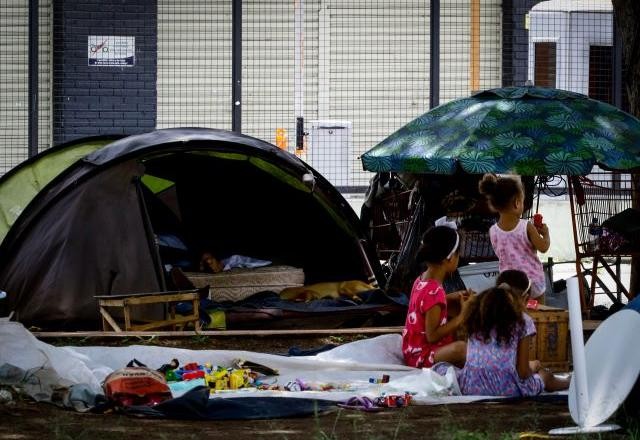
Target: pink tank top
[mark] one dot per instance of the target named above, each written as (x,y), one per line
(515,251)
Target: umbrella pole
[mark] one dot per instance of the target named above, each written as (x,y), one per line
(539,186)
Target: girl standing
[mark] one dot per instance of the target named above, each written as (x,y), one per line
(515,241)
(499,333)
(428,335)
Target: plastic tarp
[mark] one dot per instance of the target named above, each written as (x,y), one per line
(348,367)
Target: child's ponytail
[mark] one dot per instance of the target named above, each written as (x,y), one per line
(488,185)
(500,191)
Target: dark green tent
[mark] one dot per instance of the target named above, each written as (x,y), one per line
(84,219)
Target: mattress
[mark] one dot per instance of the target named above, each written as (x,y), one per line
(238,284)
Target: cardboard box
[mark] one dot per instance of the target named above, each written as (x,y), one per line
(551,344)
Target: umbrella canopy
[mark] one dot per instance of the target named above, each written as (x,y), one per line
(520,130)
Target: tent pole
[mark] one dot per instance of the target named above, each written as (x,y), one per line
(151,239)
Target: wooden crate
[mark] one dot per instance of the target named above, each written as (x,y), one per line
(551,344)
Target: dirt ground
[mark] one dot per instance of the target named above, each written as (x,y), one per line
(24,419)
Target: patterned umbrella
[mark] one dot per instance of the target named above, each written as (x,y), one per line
(520,130)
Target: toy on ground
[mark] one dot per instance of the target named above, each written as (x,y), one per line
(136,386)
(361,404)
(394,400)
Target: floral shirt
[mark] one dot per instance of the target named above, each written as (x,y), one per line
(515,251)
(490,369)
(417,350)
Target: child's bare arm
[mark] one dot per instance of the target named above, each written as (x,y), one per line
(522,361)
(433,330)
(539,237)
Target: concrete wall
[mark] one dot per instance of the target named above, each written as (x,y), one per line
(94,100)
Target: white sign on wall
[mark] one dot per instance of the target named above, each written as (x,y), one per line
(111,50)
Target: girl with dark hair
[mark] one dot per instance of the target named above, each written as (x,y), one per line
(428,335)
(518,281)
(499,334)
(515,240)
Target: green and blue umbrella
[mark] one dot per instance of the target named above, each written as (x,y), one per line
(519,130)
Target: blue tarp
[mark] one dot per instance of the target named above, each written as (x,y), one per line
(196,405)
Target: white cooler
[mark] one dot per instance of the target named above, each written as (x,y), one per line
(479,276)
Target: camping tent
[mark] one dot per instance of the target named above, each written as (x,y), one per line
(85,218)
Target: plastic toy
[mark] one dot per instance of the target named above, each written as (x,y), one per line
(393,401)
(537,220)
(532,304)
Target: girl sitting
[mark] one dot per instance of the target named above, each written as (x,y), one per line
(428,335)
(499,333)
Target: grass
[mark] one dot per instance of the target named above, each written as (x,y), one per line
(200,339)
(454,422)
(360,427)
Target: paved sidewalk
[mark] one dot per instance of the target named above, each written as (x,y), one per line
(563,271)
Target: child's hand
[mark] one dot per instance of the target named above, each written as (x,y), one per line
(461,295)
(465,300)
(537,220)
(535,366)
(543,229)
(539,236)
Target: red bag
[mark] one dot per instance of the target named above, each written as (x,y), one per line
(136,386)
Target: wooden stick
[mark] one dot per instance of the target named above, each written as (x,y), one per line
(258,333)
(475,46)
(588,325)
(108,318)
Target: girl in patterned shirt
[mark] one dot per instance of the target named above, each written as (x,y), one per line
(428,335)
(515,241)
(499,334)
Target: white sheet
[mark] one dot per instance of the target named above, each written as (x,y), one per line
(349,366)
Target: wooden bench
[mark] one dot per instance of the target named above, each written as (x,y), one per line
(170,299)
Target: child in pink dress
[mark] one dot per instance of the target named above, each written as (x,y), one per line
(515,241)
(428,335)
(497,361)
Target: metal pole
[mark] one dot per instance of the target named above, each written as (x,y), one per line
(299,58)
(617,65)
(434,63)
(236,67)
(299,72)
(32,140)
